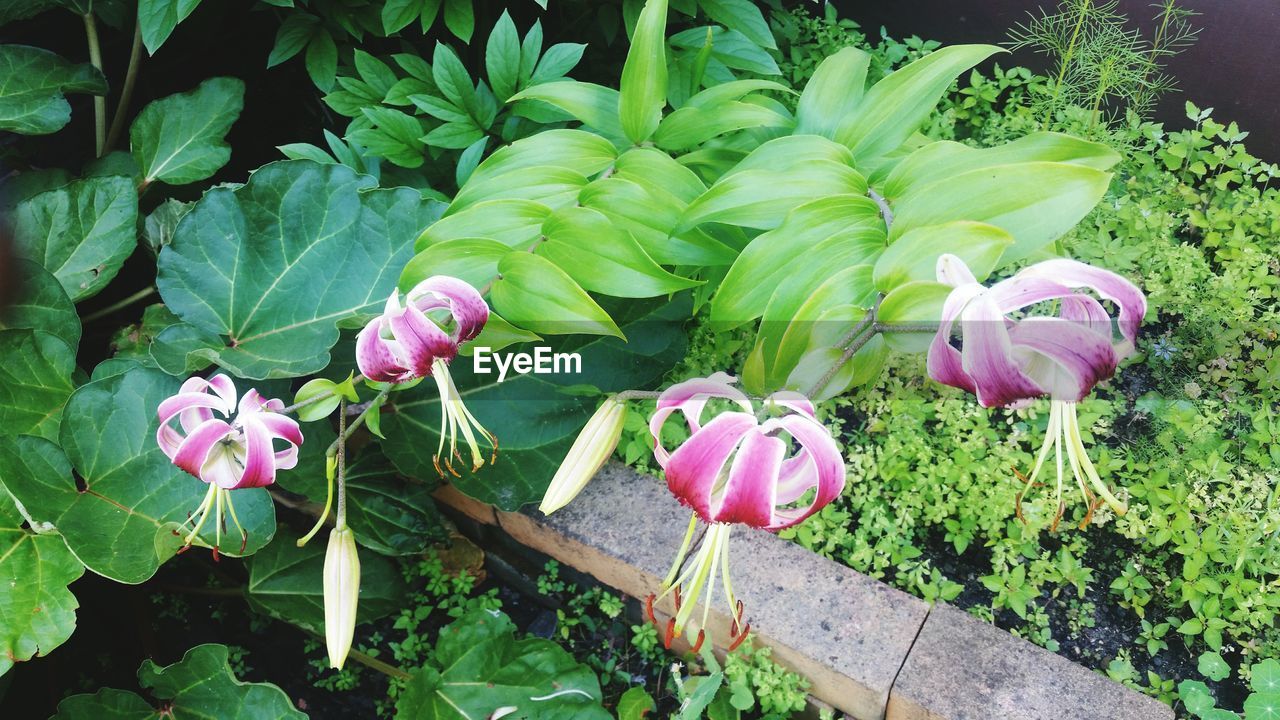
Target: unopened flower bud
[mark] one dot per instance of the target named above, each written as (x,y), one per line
(593,447)
(341,593)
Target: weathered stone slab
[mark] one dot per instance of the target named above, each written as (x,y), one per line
(848,634)
(472,508)
(964,669)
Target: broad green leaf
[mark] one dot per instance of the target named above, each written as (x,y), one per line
(322,59)
(556,63)
(453,80)
(122,523)
(1034,202)
(834,91)
(514,223)
(772,256)
(534,294)
(158,18)
(535,421)
(285,583)
(895,108)
(728,49)
(793,153)
(1264,676)
(182,348)
(1211,665)
(862,368)
(602,258)
(743,16)
(1262,706)
(691,126)
(181,138)
(32,84)
(914,256)
(294,34)
(23,9)
(42,304)
(200,685)
(915,303)
(650,215)
(397,14)
(549,185)
(459,17)
(593,105)
(35,382)
(474,260)
(35,570)
(300,248)
(643,89)
(761,199)
(793,317)
(82,232)
(481,668)
(577,150)
(635,704)
(502,57)
(497,334)
(940,160)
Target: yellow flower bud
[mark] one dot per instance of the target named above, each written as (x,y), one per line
(341,593)
(593,447)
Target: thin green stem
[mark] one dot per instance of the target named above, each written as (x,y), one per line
(126,91)
(139,296)
(317,398)
(341,442)
(1066,62)
(853,341)
(99,101)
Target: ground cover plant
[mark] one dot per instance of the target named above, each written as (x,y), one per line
(244,388)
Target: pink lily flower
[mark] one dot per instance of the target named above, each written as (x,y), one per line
(226,444)
(1009,362)
(418,339)
(769,469)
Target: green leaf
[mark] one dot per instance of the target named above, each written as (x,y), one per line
(602,258)
(285,583)
(914,256)
(771,257)
(397,136)
(42,304)
(35,570)
(82,232)
(743,16)
(1262,706)
(691,126)
(122,523)
(593,105)
(915,303)
(453,80)
(158,18)
(294,34)
(201,685)
(300,248)
(35,382)
(1191,627)
(1034,202)
(333,394)
(797,310)
(577,150)
(322,59)
(460,18)
(482,667)
(635,703)
(834,91)
(557,62)
(397,14)
(32,84)
(473,260)
(181,138)
(548,185)
(502,57)
(514,223)
(895,108)
(643,89)
(534,294)
(1212,666)
(1264,676)
(535,421)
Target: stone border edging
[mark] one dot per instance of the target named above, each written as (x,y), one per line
(868,649)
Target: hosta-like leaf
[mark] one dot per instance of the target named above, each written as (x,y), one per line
(120,520)
(35,382)
(35,570)
(894,108)
(180,139)
(536,295)
(473,260)
(643,88)
(743,16)
(514,223)
(42,305)
(834,91)
(595,106)
(298,249)
(691,126)
(81,232)
(602,258)
(200,685)
(535,422)
(914,256)
(577,150)
(285,583)
(481,667)
(1035,202)
(915,303)
(32,83)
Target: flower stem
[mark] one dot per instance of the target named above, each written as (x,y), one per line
(856,338)
(139,296)
(316,398)
(126,91)
(341,518)
(99,101)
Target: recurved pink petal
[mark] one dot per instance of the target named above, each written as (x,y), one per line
(281,426)
(1021,291)
(193,450)
(799,475)
(1109,285)
(1086,311)
(468,307)
(794,401)
(748,495)
(375,361)
(988,358)
(944,362)
(694,467)
(828,465)
(690,397)
(1075,357)
(422,341)
(259,459)
(953,271)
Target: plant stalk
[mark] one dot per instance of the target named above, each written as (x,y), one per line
(126,91)
(99,101)
(142,294)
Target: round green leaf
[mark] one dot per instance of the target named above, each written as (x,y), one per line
(180,139)
(32,83)
(295,251)
(35,382)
